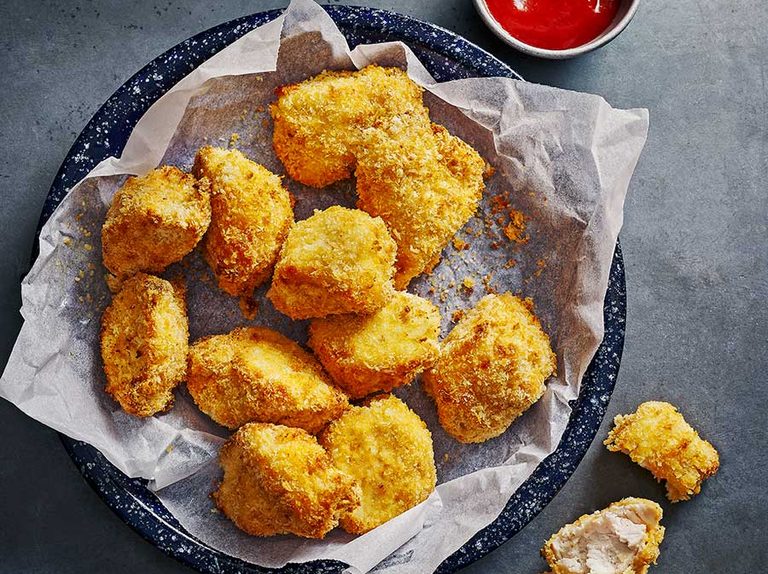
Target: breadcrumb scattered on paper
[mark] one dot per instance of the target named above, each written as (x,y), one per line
(515,229)
(459,244)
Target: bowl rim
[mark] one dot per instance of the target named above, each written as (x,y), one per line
(495,26)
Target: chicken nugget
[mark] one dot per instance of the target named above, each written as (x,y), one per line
(492,368)
(255,374)
(424,183)
(658,438)
(621,539)
(388,450)
(144,334)
(318,122)
(337,261)
(154,221)
(380,351)
(279,480)
(252,213)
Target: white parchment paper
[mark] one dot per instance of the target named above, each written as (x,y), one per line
(563,162)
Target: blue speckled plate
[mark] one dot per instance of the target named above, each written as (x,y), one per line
(447,57)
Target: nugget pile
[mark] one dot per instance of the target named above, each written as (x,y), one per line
(317,440)
(302,459)
(422,181)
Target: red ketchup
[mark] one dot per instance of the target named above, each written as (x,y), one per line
(554,24)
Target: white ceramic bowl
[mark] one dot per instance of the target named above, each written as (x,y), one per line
(626,12)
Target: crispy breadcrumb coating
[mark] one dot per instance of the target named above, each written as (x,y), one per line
(621,539)
(154,221)
(255,374)
(144,334)
(657,438)
(492,368)
(279,480)
(424,183)
(252,213)
(380,351)
(337,261)
(318,122)
(388,450)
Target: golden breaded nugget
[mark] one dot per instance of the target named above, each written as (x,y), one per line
(252,213)
(424,183)
(154,221)
(621,539)
(657,438)
(279,480)
(337,261)
(380,351)
(255,374)
(388,450)
(144,335)
(318,122)
(492,368)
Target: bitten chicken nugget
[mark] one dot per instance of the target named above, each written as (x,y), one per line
(318,122)
(255,374)
(621,539)
(337,261)
(657,438)
(252,213)
(144,334)
(388,450)
(279,480)
(380,351)
(154,221)
(492,368)
(424,183)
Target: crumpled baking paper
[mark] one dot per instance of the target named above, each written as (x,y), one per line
(562,160)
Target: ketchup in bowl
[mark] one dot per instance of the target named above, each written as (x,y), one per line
(554,24)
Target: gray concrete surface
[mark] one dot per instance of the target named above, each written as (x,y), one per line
(694,243)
